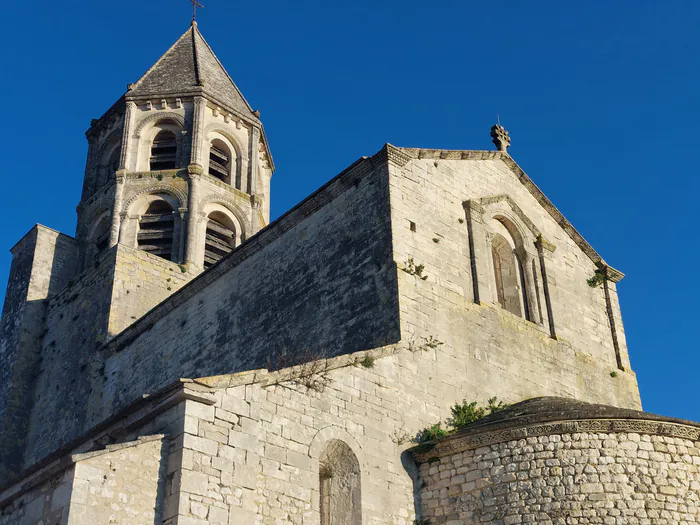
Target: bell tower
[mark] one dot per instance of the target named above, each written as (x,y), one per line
(179,166)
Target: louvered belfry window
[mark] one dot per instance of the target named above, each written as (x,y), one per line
(164,151)
(220,161)
(156,230)
(220,239)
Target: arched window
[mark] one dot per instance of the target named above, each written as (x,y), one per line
(220,161)
(511,294)
(156,230)
(164,151)
(339,478)
(220,238)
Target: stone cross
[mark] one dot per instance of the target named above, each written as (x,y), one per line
(500,137)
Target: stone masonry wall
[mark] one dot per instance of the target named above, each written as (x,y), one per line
(141,281)
(125,485)
(43,262)
(583,478)
(123,287)
(320,283)
(46,504)
(501,353)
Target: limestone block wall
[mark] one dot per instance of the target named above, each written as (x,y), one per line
(141,281)
(47,503)
(79,320)
(584,477)
(124,484)
(501,353)
(42,263)
(321,282)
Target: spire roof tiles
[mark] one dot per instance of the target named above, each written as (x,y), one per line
(188,67)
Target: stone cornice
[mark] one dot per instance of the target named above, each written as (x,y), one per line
(465,440)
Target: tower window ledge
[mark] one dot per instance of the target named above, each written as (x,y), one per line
(173,173)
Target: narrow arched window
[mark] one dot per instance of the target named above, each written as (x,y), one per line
(220,238)
(100,237)
(164,151)
(339,477)
(156,227)
(220,161)
(507,274)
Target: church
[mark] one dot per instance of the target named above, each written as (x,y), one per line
(183,360)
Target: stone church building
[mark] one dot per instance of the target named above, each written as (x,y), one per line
(183,360)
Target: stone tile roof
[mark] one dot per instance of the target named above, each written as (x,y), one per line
(548,409)
(190,67)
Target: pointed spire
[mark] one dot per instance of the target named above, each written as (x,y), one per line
(190,67)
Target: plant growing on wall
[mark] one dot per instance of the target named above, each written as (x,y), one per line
(598,278)
(463,414)
(411,268)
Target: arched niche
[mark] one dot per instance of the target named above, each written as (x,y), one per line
(340,485)
(98,237)
(108,160)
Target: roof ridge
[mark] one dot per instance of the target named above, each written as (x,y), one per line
(230,79)
(197,74)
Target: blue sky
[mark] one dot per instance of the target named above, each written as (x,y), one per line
(599,97)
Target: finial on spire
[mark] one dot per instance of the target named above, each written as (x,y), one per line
(195,5)
(500,137)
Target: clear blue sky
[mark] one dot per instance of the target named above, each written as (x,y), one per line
(599,97)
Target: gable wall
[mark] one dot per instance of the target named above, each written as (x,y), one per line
(500,353)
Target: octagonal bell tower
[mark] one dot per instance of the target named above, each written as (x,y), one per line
(179,166)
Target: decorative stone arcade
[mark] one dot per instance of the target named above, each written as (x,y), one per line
(179,167)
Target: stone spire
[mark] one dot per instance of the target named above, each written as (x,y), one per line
(500,137)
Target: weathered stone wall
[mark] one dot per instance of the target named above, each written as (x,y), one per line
(321,282)
(43,262)
(125,484)
(141,281)
(580,477)
(500,353)
(46,504)
(125,285)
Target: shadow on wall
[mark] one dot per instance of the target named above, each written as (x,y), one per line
(409,465)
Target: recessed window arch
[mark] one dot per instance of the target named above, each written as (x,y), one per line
(99,239)
(340,485)
(108,161)
(220,238)
(508,272)
(156,229)
(164,151)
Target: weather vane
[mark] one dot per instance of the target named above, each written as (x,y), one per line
(195,5)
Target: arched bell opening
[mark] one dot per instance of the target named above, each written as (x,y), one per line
(164,151)
(220,238)
(156,230)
